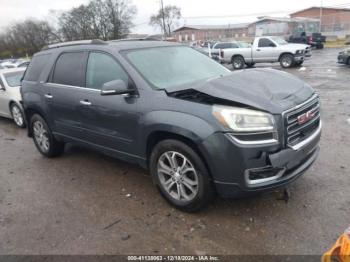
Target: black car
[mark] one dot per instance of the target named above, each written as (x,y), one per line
(316,40)
(344,57)
(199,128)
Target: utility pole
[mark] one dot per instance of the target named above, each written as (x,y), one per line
(321,13)
(163,17)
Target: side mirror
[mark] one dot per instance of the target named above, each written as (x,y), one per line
(272,45)
(115,87)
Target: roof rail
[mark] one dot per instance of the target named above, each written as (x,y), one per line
(136,39)
(80,42)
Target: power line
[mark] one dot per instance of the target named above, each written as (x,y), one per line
(344,5)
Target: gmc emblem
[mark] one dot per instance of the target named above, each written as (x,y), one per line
(302,119)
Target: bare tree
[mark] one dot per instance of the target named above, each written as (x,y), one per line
(166,18)
(26,37)
(104,19)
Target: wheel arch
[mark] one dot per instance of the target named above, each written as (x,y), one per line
(160,135)
(29,112)
(237,55)
(285,53)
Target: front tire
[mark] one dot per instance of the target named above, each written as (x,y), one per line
(287,61)
(181,176)
(17,115)
(43,138)
(238,62)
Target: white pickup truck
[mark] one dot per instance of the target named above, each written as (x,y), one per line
(267,49)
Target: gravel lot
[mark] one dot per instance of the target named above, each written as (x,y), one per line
(88,203)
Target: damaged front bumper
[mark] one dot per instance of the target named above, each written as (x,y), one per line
(246,169)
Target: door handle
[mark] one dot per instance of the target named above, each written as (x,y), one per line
(85,102)
(49,96)
(258,49)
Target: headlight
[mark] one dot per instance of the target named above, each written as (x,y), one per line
(298,52)
(244,120)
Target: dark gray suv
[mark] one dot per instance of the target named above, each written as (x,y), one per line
(199,128)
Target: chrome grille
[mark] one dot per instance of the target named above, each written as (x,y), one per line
(302,121)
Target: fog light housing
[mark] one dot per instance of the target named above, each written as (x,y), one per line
(262,175)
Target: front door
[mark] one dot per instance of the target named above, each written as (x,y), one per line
(108,121)
(266,51)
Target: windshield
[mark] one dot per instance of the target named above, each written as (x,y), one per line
(279,40)
(14,79)
(166,67)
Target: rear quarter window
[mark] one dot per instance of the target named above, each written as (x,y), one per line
(70,69)
(35,67)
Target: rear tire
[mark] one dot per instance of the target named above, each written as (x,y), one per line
(17,115)
(237,62)
(287,61)
(43,138)
(181,176)
(348,62)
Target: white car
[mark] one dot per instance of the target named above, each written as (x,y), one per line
(10,96)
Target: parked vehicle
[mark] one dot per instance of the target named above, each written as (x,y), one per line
(198,127)
(316,40)
(267,49)
(10,96)
(22,63)
(13,63)
(344,57)
(8,64)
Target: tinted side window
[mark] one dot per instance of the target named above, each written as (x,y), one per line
(264,42)
(102,68)
(234,45)
(70,69)
(35,67)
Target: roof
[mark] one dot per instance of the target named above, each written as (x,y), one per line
(126,44)
(317,7)
(213,27)
(286,19)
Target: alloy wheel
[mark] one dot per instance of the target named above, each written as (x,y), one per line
(286,61)
(41,136)
(177,176)
(17,116)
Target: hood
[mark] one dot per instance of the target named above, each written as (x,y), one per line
(264,89)
(298,46)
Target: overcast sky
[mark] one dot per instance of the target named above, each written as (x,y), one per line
(239,11)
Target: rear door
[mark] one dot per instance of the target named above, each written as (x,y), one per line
(108,121)
(64,90)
